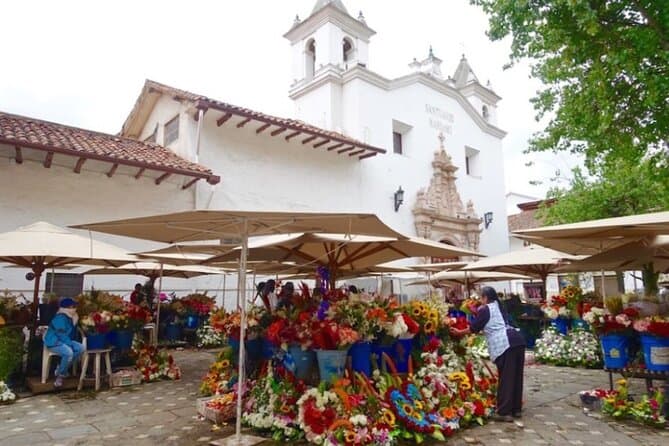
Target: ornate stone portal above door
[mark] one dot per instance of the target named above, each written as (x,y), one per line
(439,214)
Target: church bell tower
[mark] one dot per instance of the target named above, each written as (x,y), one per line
(324,46)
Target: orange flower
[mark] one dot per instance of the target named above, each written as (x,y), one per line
(448,413)
(349,437)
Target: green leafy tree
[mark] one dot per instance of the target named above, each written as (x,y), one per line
(605,67)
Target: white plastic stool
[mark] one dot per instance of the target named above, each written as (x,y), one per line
(84,366)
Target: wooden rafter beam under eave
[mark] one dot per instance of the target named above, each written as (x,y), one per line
(367,155)
(112,171)
(139,173)
(262,128)
(48,160)
(243,123)
(309,139)
(80,163)
(223,119)
(189,183)
(196,113)
(357,152)
(346,149)
(162,178)
(19,155)
(292,135)
(336,146)
(322,143)
(278,131)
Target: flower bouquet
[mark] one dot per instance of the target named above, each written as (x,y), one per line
(654,332)
(6,394)
(96,323)
(207,337)
(155,364)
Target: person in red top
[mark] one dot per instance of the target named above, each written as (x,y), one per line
(137,296)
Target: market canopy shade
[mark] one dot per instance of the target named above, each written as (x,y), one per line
(595,236)
(536,262)
(631,256)
(153,270)
(240,225)
(468,277)
(341,253)
(41,246)
(221,224)
(437,267)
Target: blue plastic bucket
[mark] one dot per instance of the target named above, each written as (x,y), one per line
(656,353)
(267,349)
(401,354)
(304,361)
(121,339)
(378,349)
(361,357)
(331,364)
(615,349)
(579,323)
(173,332)
(192,321)
(561,324)
(96,341)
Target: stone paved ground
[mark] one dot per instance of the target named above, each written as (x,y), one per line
(164,413)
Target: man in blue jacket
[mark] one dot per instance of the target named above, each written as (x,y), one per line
(58,338)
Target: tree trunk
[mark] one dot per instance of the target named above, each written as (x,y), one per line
(650,278)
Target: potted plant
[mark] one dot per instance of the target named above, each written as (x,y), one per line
(96,326)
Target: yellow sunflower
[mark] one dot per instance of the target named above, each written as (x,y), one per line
(388,417)
(430,327)
(408,409)
(225,363)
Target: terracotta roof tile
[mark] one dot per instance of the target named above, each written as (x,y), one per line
(294,124)
(49,136)
(524,220)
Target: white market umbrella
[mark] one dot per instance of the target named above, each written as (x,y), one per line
(240,225)
(42,246)
(596,236)
(536,262)
(341,253)
(152,270)
(468,277)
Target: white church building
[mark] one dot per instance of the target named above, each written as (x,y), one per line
(422,151)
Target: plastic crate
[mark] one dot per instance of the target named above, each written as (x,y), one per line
(126,377)
(217,416)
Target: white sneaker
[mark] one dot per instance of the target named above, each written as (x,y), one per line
(58,382)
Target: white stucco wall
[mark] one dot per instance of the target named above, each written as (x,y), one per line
(33,193)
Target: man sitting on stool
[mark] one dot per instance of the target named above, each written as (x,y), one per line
(58,338)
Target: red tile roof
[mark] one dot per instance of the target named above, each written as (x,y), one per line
(360,149)
(51,137)
(524,220)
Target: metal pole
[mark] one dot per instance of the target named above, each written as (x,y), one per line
(53,278)
(242,330)
(160,289)
(225,276)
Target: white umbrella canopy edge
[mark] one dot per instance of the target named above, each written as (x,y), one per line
(41,245)
(220,224)
(152,269)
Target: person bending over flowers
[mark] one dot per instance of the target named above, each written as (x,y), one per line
(58,338)
(507,349)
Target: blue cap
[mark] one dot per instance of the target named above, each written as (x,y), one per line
(67,303)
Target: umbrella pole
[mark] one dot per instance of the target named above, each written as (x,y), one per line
(225,276)
(53,278)
(160,290)
(603,285)
(38,269)
(241,383)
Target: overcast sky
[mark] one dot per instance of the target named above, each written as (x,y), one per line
(83,63)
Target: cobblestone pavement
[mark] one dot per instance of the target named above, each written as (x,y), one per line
(164,413)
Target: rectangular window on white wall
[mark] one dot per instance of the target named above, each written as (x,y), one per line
(171,132)
(472,162)
(400,137)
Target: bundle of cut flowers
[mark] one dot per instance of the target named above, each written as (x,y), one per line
(155,364)
(207,337)
(198,304)
(604,323)
(620,405)
(97,322)
(558,308)
(129,317)
(653,325)
(6,394)
(580,348)
(221,376)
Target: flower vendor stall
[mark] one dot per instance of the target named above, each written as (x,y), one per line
(365,398)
